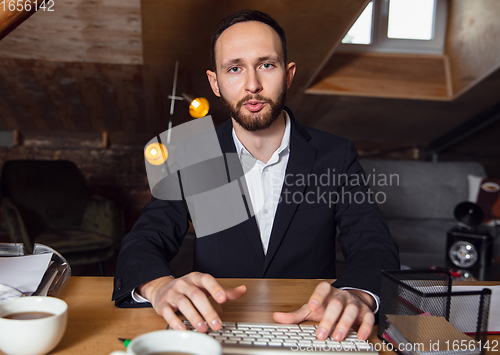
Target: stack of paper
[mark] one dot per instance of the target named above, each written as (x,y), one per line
(459,309)
(23,273)
(426,335)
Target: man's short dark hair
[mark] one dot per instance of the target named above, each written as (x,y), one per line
(245,16)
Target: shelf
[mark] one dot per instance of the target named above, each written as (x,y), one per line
(406,76)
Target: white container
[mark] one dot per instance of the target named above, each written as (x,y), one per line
(32,336)
(172,340)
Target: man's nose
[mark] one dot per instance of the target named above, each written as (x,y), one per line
(253,84)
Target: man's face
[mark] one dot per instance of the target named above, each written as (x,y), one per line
(251,77)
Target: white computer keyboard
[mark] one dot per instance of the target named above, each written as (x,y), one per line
(266,338)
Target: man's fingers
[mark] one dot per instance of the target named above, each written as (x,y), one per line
(169,315)
(201,302)
(366,326)
(320,294)
(209,283)
(235,293)
(195,301)
(190,296)
(332,313)
(294,317)
(191,313)
(347,310)
(346,321)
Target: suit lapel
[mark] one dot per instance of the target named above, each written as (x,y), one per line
(249,227)
(300,163)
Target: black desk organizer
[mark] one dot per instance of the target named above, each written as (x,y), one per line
(413,292)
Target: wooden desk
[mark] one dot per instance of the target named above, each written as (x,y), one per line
(95,324)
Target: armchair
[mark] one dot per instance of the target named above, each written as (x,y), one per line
(49,202)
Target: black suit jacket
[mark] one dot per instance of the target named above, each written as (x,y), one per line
(323,191)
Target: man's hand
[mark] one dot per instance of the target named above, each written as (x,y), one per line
(188,294)
(328,305)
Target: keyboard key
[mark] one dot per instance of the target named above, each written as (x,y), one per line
(309,337)
(228,324)
(309,332)
(274,343)
(308,327)
(305,343)
(281,327)
(282,336)
(319,342)
(260,343)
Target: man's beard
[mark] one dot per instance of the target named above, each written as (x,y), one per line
(256,121)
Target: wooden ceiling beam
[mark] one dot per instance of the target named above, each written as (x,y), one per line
(13,13)
(91,31)
(472,43)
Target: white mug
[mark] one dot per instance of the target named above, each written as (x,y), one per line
(186,341)
(32,336)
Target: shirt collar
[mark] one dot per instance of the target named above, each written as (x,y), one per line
(285,142)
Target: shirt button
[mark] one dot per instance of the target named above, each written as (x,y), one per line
(266,211)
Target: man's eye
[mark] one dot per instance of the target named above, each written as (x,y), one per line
(234,69)
(267,65)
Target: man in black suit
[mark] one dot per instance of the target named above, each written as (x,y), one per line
(303,185)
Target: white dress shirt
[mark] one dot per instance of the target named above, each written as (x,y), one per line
(265,181)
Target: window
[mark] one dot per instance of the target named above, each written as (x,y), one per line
(361,31)
(399,26)
(411,19)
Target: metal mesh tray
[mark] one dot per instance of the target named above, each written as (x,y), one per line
(57,273)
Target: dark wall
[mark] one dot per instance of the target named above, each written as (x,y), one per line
(117,172)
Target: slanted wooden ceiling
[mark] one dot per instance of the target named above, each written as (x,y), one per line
(471,53)
(107,66)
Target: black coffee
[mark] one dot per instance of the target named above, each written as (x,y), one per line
(28,315)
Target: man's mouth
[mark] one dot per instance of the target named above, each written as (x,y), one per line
(254,105)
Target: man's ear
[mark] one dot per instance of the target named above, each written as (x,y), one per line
(290,73)
(212,79)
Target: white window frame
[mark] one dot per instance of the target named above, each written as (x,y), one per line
(380,43)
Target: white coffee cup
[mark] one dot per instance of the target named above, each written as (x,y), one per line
(32,336)
(172,340)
